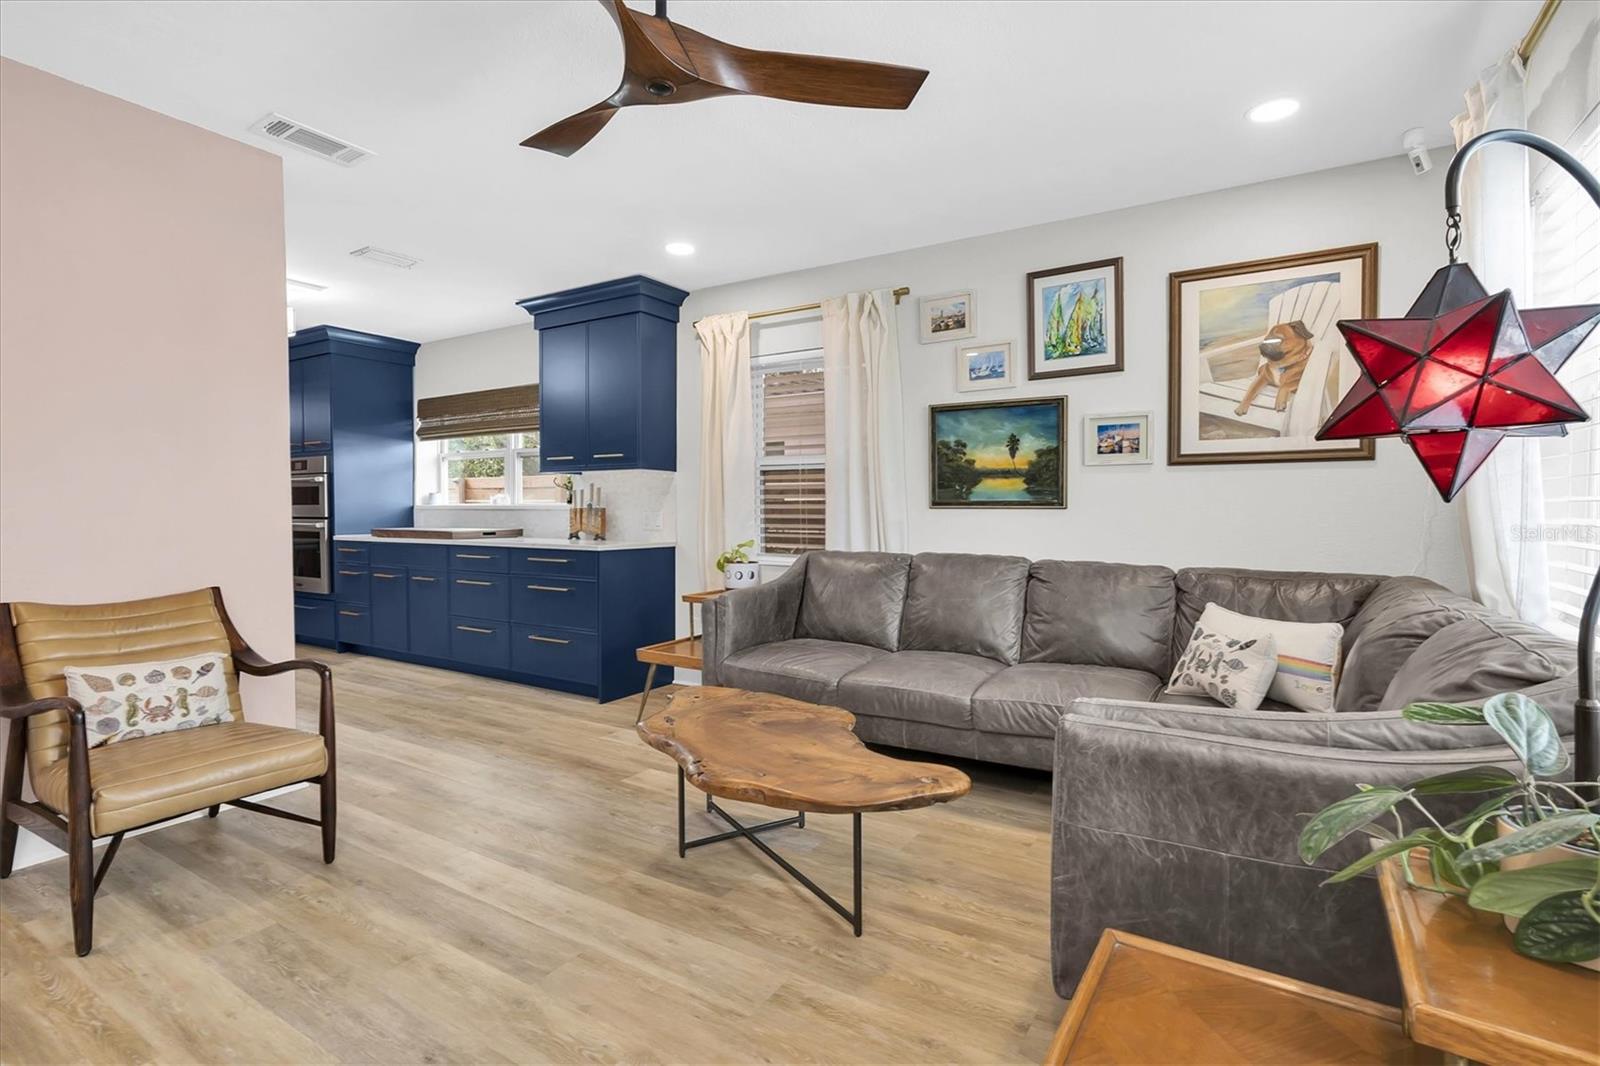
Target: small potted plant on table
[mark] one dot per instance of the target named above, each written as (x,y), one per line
(738,571)
(1529,850)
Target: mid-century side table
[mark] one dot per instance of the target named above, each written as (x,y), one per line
(686,652)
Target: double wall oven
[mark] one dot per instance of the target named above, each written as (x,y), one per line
(310,482)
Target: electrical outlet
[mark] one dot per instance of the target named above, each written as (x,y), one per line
(652,523)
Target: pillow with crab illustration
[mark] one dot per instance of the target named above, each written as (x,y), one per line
(143,699)
(1234,671)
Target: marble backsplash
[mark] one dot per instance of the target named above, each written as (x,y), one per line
(640,506)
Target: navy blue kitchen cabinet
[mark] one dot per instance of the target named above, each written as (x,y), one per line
(568,619)
(350,400)
(608,376)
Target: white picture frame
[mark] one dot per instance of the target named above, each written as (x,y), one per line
(980,367)
(1116,428)
(945,317)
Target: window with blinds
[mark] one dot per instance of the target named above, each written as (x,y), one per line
(791,505)
(1566,270)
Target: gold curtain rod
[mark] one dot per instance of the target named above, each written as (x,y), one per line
(901,292)
(1541,22)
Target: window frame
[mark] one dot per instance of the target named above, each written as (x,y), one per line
(760,366)
(513,454)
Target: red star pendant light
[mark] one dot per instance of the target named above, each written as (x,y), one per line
(1459,373)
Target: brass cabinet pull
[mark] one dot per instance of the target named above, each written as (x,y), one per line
(548,588)
(464,581)
(414,578)
(548,640)
(304,607)
(353,551)
(388,577)
(475,629)
(557,457)
(353,573)
(351,614)
(609,455)
(463,555)
(547,559)
(309,443)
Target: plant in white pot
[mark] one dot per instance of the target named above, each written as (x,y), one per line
(738,571)
(1530,850)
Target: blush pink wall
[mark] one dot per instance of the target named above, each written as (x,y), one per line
(143,367)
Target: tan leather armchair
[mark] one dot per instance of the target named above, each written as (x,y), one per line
(84,793)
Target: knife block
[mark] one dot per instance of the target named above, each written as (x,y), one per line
(581,520)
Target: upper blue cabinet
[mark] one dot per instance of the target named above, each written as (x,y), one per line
(608,376)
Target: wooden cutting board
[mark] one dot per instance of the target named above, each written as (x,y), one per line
(448,533)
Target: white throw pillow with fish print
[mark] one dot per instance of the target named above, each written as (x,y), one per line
(1234,671)
(143,699)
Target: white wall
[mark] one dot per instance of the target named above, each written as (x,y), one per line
(1380,516)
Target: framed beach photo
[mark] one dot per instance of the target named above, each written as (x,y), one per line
(984,366)
(998,453)
(1256,363)
(945,318)
(1117,440)
(1075,320)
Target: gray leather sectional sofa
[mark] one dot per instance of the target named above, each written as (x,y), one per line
(1173,817)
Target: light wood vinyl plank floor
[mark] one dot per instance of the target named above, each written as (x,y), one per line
(508,890)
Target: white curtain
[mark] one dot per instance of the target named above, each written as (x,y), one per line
(1509,572)
(727,439)
(865,477)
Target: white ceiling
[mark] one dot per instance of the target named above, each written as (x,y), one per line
(1033,112)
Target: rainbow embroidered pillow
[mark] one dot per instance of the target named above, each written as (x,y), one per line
(1308,654)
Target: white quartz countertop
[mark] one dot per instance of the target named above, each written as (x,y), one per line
(512,542)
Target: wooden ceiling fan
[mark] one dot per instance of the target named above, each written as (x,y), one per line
(666,63)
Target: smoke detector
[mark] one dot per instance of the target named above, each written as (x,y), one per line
(394,259)
(307,139)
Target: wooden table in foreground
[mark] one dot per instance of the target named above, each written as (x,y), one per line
(1468,993)
(760,748)
(1145,1002)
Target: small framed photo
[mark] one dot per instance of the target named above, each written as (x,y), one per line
(1117,440)
(946,318)
(984,366)
(1075,320)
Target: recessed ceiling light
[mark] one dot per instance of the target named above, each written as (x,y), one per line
(1273,110)
(394,259)
(296,287)
(680,248)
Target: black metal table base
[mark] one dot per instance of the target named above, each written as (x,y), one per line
(749,832)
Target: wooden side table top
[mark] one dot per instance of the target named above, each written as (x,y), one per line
(779,752)
(1467,992)
(1142,1001)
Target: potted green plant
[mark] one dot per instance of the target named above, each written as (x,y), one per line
(1529,849)
(736,567)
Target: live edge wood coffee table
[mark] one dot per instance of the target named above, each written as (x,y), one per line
(759,748)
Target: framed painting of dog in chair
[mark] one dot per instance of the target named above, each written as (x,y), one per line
(1256,363)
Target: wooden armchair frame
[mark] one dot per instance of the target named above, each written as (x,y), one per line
(72,834)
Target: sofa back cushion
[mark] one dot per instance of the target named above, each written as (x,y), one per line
(1399,615)
(971,604)
(1470,660)
(1287,596)
(854,597)
(1100,614)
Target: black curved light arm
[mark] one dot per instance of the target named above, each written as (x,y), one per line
(1586,712)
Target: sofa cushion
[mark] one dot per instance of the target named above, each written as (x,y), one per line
(1399,615)
(1478,657)
(1287,596)
(918,686)
(970,604)
(804,669)
(1100,614)
(854,597)
(1028,699)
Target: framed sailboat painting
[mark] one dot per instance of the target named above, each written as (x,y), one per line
(1075,320)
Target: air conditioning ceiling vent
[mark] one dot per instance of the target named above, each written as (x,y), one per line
(309,140)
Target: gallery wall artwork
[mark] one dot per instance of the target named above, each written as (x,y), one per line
(1255,361)
(985,366)
(945,318)
(1117,440)
(1000,453)
(1075,320)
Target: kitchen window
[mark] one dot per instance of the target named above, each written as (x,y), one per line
(791,453)
(472,470)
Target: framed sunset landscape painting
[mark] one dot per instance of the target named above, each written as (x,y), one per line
(1075,320)
(1003,453)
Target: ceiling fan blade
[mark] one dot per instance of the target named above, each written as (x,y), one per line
(573,132)
(804,79)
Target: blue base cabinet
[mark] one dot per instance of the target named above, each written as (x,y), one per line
(568,619)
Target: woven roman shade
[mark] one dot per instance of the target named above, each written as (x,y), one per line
(472,414)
